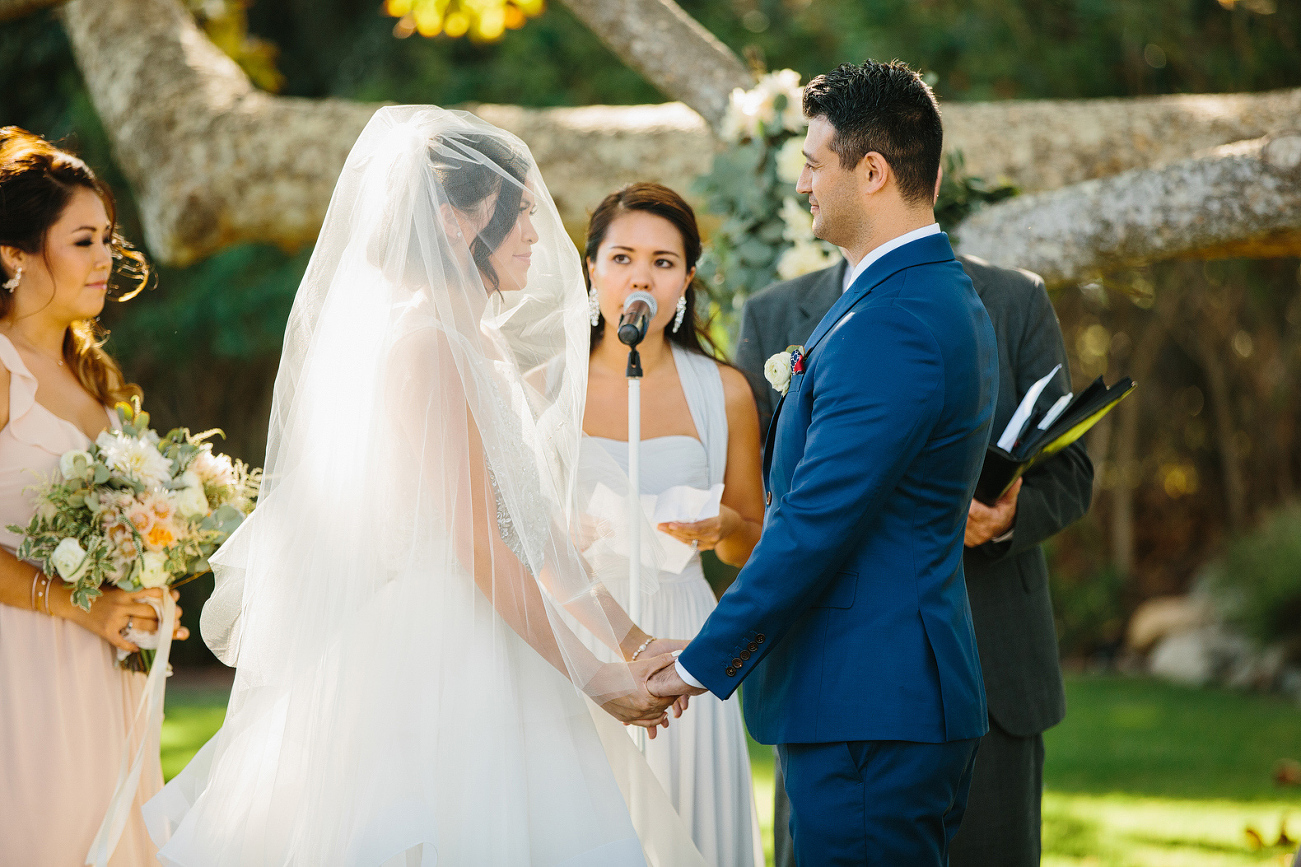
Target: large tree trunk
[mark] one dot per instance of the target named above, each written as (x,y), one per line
(1241,200)
(215,162)
(670,49)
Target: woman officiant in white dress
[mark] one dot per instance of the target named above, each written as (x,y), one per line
(408,688)
(700,429)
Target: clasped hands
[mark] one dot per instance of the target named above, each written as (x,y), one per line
(657,688)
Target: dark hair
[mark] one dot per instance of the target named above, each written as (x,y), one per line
(887,108)
(469,181)
(663,202)
(37,181)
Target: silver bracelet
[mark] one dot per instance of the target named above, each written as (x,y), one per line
(645,644)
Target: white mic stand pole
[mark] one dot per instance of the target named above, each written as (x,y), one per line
(635,516)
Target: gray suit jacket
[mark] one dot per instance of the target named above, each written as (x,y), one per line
(1007,582)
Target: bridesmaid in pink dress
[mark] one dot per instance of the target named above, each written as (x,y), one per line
(65,708)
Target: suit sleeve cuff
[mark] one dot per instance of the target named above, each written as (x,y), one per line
(686,676)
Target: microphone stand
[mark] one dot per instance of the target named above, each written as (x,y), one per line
(634,375)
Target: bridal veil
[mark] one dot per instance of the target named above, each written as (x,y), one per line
(408,605)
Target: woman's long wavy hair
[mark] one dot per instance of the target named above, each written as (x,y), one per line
(663,202)
(37,181)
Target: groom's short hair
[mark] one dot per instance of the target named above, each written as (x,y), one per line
(887,108)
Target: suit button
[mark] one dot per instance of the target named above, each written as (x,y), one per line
(745,654)
(731,672)
(754,645)
(768,500)
(736,663)
(759,638)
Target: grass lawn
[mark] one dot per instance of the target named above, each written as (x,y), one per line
(1141,773)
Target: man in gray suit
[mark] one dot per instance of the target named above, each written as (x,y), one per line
(1007,575)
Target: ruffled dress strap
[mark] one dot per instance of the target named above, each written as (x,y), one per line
(23,423)
(703,386)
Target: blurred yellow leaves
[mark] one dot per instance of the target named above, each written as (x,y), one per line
(481,20)
(226,23)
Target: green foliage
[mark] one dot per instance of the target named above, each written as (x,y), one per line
(1088,610)
(961,195)
(1258,580)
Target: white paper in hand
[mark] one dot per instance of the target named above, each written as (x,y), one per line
(1016,424)
(681,504)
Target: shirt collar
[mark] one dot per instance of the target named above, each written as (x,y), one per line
(851,274)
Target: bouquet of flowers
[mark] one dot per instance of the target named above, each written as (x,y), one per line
(136,510)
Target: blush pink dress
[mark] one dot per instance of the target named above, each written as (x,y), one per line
(65,708)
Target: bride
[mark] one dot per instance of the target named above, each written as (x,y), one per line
(407,608)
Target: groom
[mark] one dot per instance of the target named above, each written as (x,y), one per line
(850,624)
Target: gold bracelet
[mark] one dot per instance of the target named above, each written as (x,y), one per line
(48,581)
(42,595)
(645,644)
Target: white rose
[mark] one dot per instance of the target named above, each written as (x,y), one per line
(153,570)
(777,370)
(805,258)
(76,464)
(69,560)
(790,161)
(190,500)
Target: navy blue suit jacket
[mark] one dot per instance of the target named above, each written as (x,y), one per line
(850,621)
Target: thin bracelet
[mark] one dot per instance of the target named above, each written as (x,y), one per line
(36,576)
(645,644)
(49,579)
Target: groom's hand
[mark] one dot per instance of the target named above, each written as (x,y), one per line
(990,522)
(668,683)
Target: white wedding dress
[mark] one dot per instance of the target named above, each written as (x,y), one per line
(408,691)
(701,759)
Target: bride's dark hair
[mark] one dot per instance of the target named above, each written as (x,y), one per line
(472,180)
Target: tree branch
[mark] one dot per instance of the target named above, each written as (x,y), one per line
(1048,144)
(670,49)
(215,162)
(1239,199)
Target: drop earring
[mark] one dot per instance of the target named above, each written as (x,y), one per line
(594,307)
(12,283)
(681,312)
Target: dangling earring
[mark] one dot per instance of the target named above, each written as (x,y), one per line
(682,312)
(594,306)
(12,284)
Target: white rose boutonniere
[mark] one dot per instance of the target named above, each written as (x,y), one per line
(779,369)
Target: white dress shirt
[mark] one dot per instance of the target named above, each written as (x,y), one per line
(851,274)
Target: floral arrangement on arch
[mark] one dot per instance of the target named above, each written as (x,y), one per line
(767,231)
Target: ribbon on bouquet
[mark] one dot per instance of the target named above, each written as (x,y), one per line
(150,711)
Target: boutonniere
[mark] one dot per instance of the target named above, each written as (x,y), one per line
(779,369)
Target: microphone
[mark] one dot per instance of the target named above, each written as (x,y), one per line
(638,310)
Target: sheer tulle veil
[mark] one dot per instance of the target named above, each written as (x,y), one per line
(409,607)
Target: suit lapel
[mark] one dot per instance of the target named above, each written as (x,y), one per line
(813,306)
(932,248)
